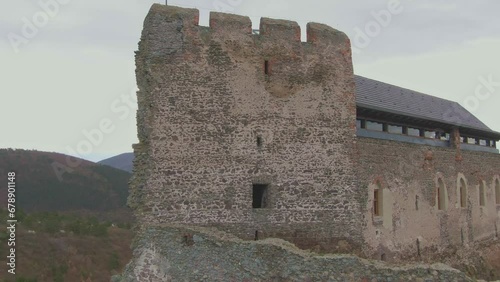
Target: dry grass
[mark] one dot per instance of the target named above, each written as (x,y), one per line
(74,258)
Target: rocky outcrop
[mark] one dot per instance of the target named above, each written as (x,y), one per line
(175,253)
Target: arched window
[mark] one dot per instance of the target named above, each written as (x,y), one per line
(441,195)
(378,200)
(482,195)
(497,191)
(462,193)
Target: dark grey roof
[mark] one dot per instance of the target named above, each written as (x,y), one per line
(380,96)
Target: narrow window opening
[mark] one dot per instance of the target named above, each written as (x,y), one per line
(482,196)
(463,194)
(441,195)
(266,67)
(259,196)
(416,202)
(378,201)
(418,247)
(259,141)
(256,235)
(382,257)
(497,192)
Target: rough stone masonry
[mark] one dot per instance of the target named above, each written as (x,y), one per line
(254,136)
(225,114)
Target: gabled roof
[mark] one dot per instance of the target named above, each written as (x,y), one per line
(383,97)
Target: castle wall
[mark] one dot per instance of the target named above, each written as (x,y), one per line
(221,109)
(408,175)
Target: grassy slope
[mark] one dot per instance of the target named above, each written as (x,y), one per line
(67,257)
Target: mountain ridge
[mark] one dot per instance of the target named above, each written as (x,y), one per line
(122,161)
(54,182)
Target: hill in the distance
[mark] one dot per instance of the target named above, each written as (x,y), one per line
(53,182)
(122,161)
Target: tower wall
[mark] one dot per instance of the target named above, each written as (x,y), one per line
(222,109)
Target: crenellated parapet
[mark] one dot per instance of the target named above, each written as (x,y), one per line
(165,19)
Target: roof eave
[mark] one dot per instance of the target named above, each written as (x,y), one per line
(480,131)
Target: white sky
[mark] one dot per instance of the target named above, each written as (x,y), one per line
(71,73)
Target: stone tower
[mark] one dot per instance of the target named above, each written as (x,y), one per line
(251,133)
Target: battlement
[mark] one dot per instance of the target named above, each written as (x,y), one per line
(280,29)
(173,13)
(222,23)
(271,29)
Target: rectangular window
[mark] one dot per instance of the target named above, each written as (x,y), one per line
(259,196)
(395,129)
(413,131)
(371,125)
(430,134)
(468,140)
(445,137)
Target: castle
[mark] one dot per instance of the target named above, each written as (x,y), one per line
(263,135)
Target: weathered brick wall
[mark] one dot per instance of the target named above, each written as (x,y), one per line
(408,173)
(204,100)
